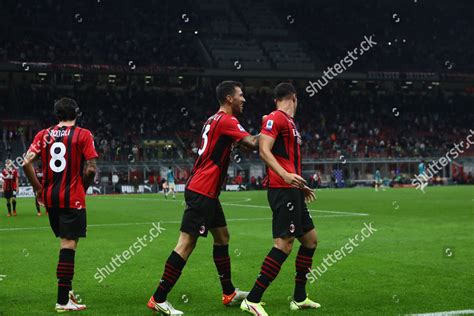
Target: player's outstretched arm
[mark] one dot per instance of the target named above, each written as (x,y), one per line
(30,171)
(248,143)
(266,144)
(90,170)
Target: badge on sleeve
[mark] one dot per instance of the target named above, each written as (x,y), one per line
(269,125)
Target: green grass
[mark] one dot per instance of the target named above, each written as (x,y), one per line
(400,269)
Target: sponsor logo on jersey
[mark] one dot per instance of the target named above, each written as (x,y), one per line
(297,135)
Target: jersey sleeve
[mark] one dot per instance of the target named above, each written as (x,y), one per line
(37,143)
(271,126)
(88,148)
(231,127)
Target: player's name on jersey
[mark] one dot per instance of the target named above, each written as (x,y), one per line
(59,133)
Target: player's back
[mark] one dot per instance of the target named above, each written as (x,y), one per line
(210,168)
(63,152)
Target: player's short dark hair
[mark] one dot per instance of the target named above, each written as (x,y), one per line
(226,88)
(66,109)
(284,90)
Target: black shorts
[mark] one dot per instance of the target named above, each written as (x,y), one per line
(70,223)
(201,214)
(9,194)
(290,213)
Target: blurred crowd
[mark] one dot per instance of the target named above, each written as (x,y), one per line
(363,123)
(410,35)
(414,36)
(99,32)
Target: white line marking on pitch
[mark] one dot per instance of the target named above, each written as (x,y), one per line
(148,223)
(245,205)
(463,312)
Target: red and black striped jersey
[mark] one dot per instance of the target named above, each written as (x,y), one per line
(210,168)
(63,152)
(286,148)
(9,179)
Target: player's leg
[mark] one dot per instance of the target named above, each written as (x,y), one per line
(271,267)
(193,225)
(171,187)
(174,265)
(230,294)
(165,189)
(13,199)
(220,253)
(304,259)
(268,272)
(286,205)
(303,263)
(173,268)
(282,204)
(9,205)
(65,269)
(221,257)
(69,225)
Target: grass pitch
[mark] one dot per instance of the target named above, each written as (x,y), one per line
(420,259)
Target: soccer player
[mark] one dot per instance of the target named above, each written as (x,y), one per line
(378,179)
(10,185)
(203,212)
(287,193)
(170,180)
(421,169)
(39,175)
(67,155)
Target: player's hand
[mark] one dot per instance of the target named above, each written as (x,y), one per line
(294,180)
(39,197)
(309,194)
